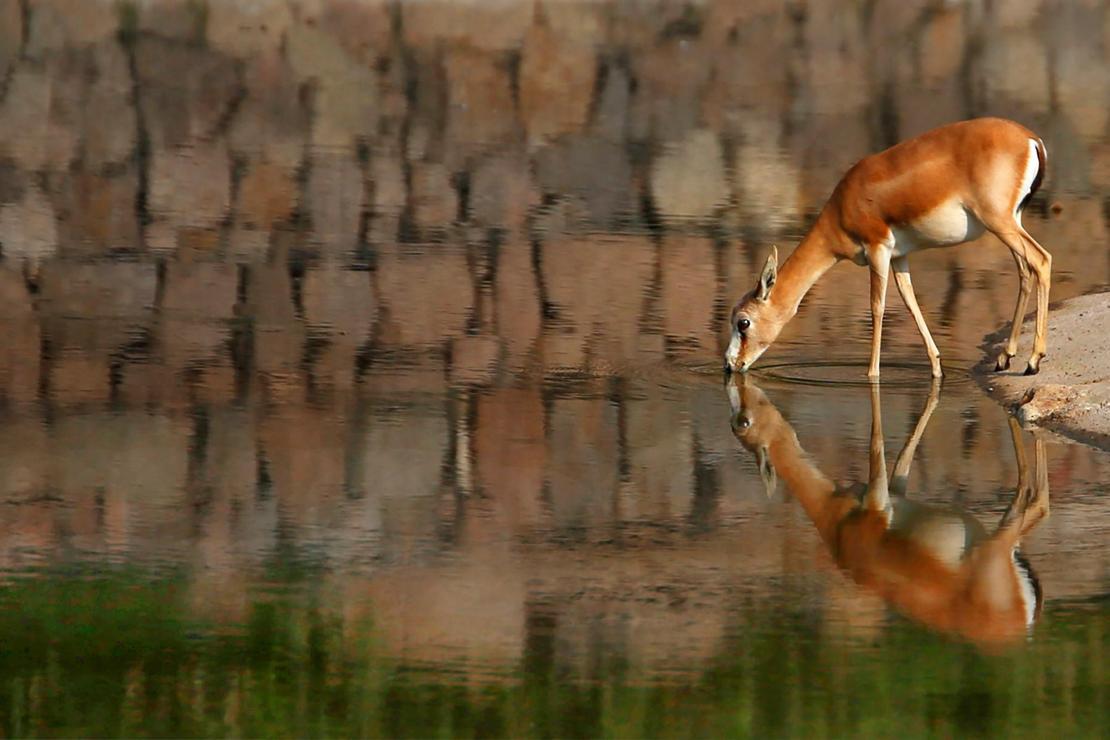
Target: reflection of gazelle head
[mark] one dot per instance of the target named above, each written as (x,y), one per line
(755,422)
(936,564)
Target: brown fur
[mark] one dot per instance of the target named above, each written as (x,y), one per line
(900,185)
(979,164)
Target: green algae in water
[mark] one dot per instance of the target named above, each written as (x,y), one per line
(120,654)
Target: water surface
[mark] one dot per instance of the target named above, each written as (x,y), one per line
(361,370)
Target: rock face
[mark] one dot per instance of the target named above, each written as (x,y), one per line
(556,85)
(190,187)
(27,229)
(33,128)
(1042,403)
(184,93)
(688,180)
(1071,393)
(11,32)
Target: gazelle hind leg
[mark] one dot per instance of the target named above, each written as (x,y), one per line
(905,289)
(1024,288)
(1030,502)
(1023,489)
(1038,258)
(1040,485)
(1043,268)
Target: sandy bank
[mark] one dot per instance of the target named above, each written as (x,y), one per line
(1071,394)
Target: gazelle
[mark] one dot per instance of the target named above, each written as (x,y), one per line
(936,565)
(943,188)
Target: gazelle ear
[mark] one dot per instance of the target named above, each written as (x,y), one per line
(766,471)
(769,275)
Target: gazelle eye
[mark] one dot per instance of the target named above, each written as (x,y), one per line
(742,325)
(743,423)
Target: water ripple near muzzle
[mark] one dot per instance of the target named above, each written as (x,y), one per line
(854,373)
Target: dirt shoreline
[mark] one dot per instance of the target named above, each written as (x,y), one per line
(1071,394)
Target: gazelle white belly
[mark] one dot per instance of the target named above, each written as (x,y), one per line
(947,224)
(945,534)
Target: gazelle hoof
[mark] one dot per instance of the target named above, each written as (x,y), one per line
(1031,369)
(1002,363)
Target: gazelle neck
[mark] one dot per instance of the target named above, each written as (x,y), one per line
(812,258)
(805,481)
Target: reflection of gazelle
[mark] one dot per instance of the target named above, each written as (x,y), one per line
(936,565)
(942,188)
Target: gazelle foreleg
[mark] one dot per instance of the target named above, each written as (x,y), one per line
(879,259)
(905,457)
(877,497)
(905,289)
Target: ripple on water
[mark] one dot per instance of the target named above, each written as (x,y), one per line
(854,373)
(895,374)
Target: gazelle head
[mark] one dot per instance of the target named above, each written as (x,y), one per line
(755,423)
(755,321)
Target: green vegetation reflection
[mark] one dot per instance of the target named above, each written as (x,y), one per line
(120,654)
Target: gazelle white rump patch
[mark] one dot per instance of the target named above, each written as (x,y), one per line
(1032,166)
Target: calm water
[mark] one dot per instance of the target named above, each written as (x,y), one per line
(360,375)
